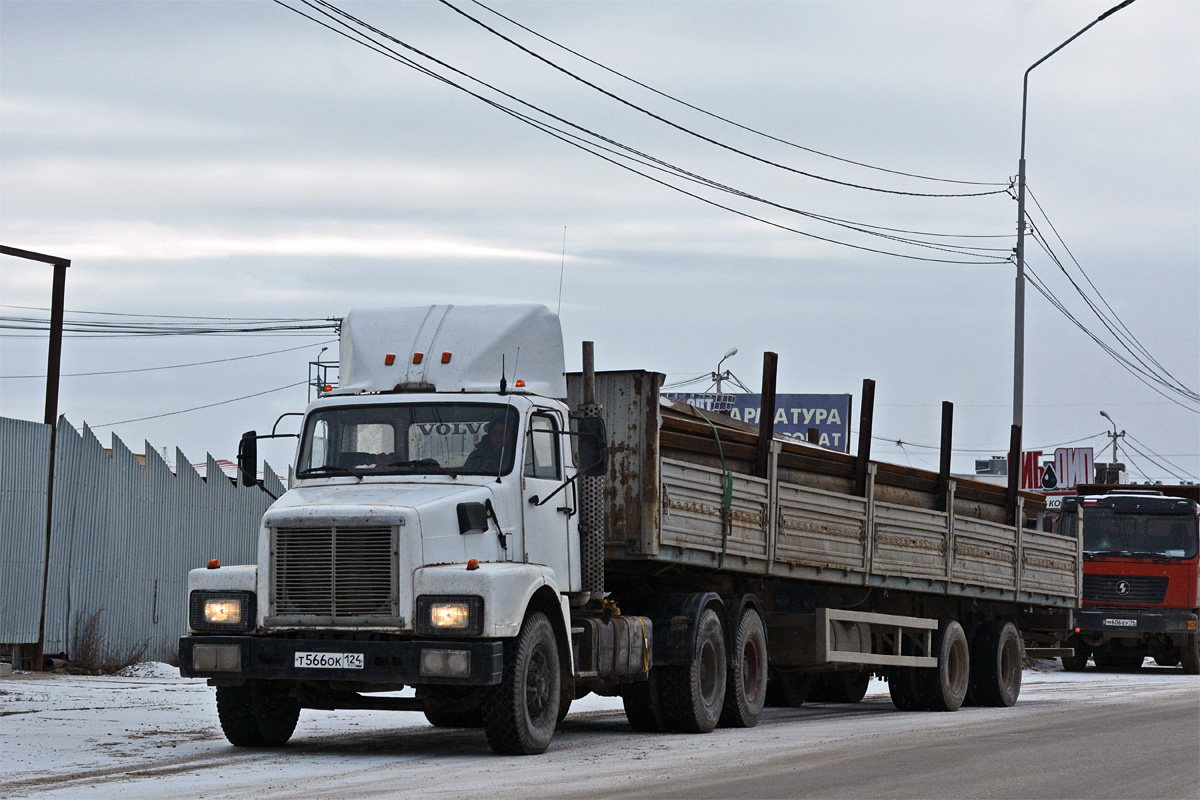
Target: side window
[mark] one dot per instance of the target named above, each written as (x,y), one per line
(541,448)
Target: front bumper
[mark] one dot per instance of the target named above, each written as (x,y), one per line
(393,661)
(1132,623)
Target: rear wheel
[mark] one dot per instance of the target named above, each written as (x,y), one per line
(746,683)
(693,694)
(521,712)
(844,687)
(945,687)
(787,689)
(905,690)
(257,714)
(471,718)
(643,705)
(996,665)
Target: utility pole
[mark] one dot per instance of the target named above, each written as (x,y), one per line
(53,368)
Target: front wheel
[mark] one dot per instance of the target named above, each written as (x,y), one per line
(257,714)
(521,712)
(1077,662)
(1189,654)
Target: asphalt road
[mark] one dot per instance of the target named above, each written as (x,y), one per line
(1093,735)
(1118,748)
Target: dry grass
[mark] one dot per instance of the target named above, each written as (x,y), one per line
(93,654)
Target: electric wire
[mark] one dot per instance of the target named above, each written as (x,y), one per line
(693,133)
(1149,379)
(1128,333)
(360,38)
(724,119)
(1153,369)
(1153,457)
(198,408)
(174,366)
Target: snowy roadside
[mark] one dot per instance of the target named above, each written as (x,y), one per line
(77,736)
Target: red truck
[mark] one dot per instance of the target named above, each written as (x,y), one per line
(1141,576)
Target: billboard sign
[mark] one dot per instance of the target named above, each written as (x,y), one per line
(794,413)
(1069,467)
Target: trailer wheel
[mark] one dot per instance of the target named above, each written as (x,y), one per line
(1077,662)
(1116,660)
(257,714)
(643,705)
(945,687)
(903,688)
(746,683)
(787,689)
(693,694)
(521,712)
(471,718)
(996,665)
(1189,654)
(846,686)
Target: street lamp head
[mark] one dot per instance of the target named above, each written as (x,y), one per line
(732,352)
(1106,416)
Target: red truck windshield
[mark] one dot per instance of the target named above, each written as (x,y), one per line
(1110,532)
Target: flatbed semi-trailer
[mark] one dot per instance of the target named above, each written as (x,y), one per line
(615,542)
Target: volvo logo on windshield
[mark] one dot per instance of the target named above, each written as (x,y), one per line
(1122,587)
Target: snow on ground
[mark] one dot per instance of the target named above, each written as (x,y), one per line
(149,733)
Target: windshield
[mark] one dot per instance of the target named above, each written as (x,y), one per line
(1167,535)
(417,438)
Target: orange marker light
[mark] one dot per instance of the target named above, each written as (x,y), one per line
(389,359)
(329,387)
(473,563)
(418,358)
(445,358)
(520,384)
(214,563)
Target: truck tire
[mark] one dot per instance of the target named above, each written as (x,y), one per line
(694,694)
(257,714)
(521,712)
(786,689)
(905,689)
(471,718)
(1189,654)
(945,687)
(746,683)
(846,686)
(1077,662)
(996,665)
(1115,660)
(643,704)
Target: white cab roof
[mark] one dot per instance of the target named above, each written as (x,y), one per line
(527,338)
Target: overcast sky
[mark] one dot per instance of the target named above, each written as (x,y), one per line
(233,159)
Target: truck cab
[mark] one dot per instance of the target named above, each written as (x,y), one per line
(1141,579)
(431,530)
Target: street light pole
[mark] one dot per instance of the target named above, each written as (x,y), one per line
(719,376)
(1114,435)
(1019,323)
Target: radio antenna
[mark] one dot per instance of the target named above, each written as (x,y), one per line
(561,268)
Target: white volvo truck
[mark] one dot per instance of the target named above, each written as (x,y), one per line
(468,520)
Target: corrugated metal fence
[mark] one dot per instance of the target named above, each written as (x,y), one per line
(123,539)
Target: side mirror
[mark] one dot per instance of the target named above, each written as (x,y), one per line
(593,447)
(247,459)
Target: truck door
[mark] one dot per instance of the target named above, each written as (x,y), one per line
(547,525)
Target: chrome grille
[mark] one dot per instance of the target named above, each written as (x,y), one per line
(333,572)
(1125,588)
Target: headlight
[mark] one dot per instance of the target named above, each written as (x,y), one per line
(230,612)
(442,615)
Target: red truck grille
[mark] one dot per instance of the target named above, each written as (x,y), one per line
(333,572)
(1150,590)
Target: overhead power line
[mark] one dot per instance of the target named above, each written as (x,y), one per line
(198,408)
(175,366)
(724,119)
(362,35)
(702,137)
